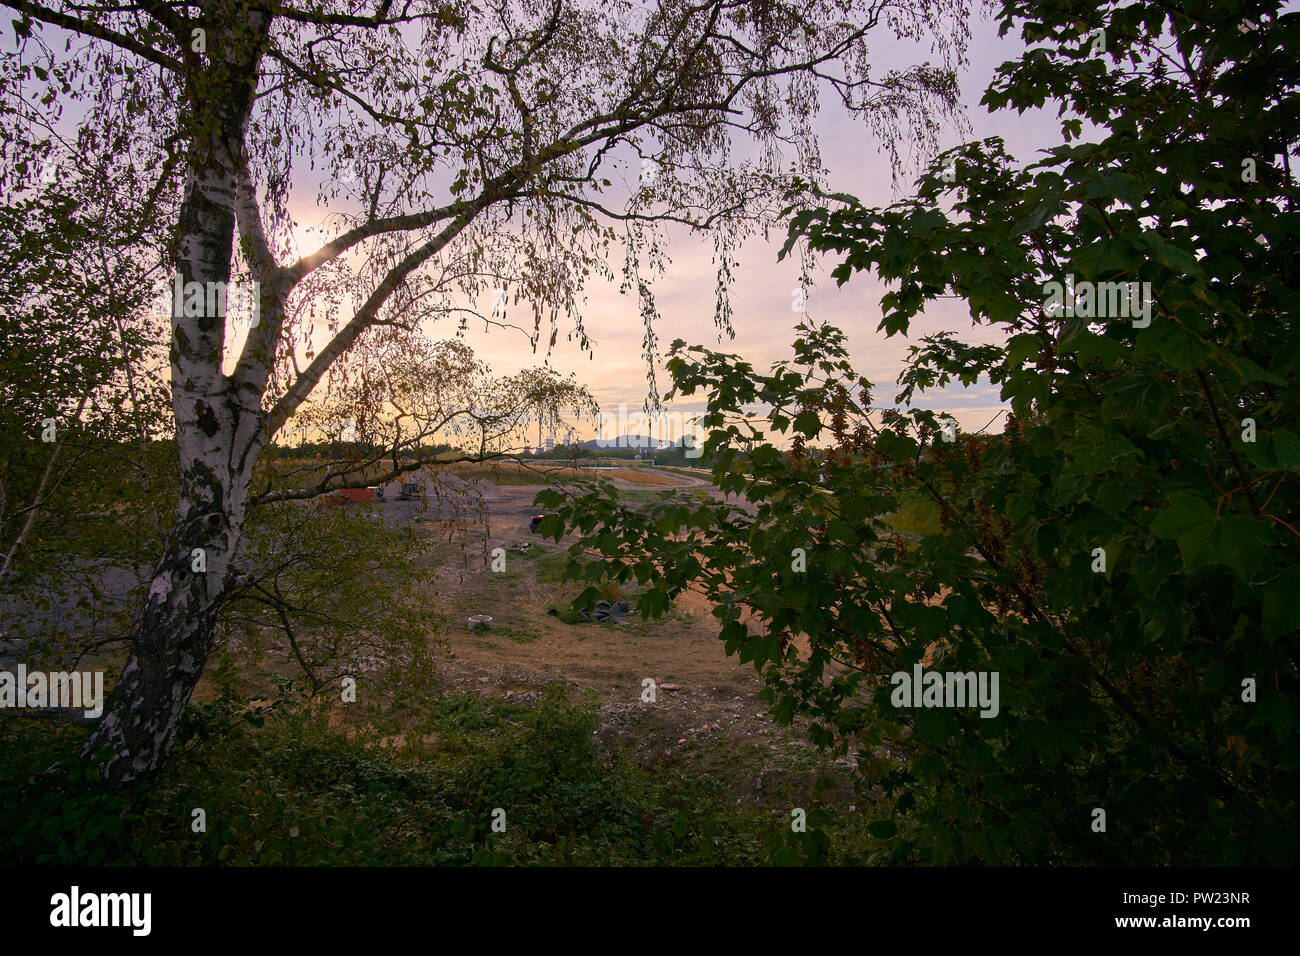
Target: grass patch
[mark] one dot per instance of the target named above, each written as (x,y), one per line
(639,496)
(296,791)
(521,635)
(916,514)
(550,567)
(640,476)
(703,473)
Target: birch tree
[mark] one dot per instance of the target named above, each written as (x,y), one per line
(512,151)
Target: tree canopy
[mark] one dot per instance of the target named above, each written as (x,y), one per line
(1123,558)
(462,150)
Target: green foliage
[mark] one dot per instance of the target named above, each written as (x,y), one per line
(917,515)
(289,789)
(329,592)
(84,470)
(1122,687)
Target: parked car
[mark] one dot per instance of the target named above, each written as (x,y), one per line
(536,522)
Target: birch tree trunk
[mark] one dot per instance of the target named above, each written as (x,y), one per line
(219,434)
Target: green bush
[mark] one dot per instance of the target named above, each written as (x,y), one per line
(296,791)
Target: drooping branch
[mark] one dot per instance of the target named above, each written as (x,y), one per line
(95,31)
(364,317)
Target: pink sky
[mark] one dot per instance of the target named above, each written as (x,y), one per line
(763,318)
(762,290)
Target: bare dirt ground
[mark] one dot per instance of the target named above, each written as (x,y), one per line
(707,715)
